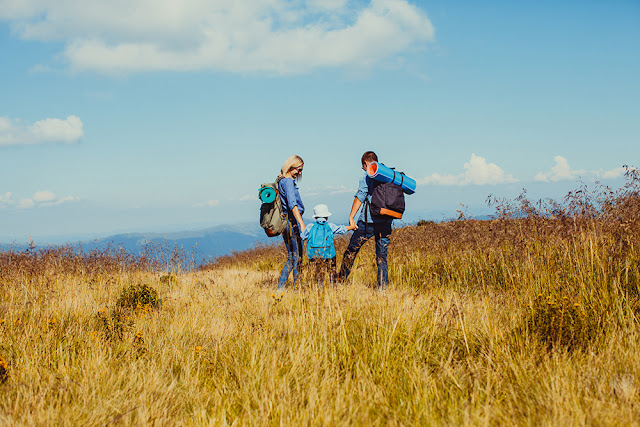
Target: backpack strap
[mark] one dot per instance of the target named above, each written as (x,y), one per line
(366,209)
(367,205)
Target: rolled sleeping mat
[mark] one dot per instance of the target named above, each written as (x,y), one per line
(382,173)
(267,194)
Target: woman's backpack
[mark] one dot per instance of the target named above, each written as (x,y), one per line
(320,241)
(272,218)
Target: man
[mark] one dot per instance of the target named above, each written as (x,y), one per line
(367,227)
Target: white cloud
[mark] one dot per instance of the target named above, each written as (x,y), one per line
(7,199)
(44,196)
(340,189)
(26,204)
(326,4)
(59,201)
(477,172)
(331,190)
(15,132)
(613,173)
(278,36)
(208,203)
(561,171)
(41,198)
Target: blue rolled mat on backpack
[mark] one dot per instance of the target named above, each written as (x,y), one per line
(267,194)
(382,173)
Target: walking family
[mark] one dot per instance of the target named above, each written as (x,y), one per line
(373,221)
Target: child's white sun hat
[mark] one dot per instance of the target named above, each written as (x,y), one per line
(321,211)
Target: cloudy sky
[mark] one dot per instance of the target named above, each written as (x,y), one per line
(165,115)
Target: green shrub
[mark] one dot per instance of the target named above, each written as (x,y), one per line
(113,323)
(136,296)
(169,279)
(560,324)
(4,370)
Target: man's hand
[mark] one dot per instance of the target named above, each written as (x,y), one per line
(352,222)
(354,209)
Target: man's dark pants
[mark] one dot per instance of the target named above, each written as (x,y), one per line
(381,231)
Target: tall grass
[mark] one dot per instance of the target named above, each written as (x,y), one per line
(531,318)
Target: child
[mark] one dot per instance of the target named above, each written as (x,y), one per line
(320,247)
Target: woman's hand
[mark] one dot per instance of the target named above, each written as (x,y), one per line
(298,217)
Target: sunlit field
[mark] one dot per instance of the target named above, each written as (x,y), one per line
(527,319)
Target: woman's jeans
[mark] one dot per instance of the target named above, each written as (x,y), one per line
(382,233)
(293,242)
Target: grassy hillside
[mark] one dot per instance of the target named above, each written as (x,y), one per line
(531,318)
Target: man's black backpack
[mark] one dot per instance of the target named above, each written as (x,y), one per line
(387,200)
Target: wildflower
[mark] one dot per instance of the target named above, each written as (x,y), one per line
(93,335)
(198,350)
(138,338)
(576,305)
(2,321)
(52,323)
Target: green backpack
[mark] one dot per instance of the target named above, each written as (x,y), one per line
(272,218)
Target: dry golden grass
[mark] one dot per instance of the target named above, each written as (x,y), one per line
(221,350)
(528,319)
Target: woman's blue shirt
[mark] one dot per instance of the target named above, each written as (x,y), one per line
(289,195)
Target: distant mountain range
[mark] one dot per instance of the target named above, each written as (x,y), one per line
(197,245)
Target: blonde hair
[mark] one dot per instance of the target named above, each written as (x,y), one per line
(291,163)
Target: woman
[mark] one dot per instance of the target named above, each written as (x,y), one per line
(292,204)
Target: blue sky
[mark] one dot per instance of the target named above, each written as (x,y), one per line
(164,115)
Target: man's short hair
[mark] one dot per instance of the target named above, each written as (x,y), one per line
(369,156)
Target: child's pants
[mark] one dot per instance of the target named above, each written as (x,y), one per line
(321,267)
